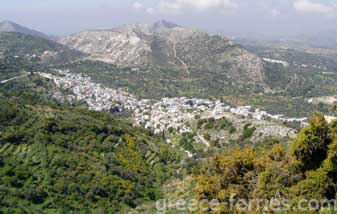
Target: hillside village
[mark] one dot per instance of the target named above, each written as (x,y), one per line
(156,115)
(148,118)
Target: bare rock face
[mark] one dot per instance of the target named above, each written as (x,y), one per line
(114,47)
(168,45)
(245,66)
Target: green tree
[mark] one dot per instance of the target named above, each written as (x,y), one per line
(311,145)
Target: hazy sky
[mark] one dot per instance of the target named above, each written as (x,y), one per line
(245,17)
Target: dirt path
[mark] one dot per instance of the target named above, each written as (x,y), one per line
(178,58)
(14,78)
(204,141)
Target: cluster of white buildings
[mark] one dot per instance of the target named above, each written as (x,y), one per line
(286,64)
(178,112)
(173,113)
(310,66)
(249,112)
(329,100)
(157,115)
(276,61)
(96,96)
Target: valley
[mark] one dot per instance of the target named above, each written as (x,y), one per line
(174,114)
(117,120)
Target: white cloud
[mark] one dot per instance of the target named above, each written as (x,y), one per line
(169,6)
(141,8)
(150,10)
(137,6)
(177,5)
(307,6)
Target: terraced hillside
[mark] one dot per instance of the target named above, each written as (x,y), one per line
(59,159)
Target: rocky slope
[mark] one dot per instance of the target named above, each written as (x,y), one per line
(168,45)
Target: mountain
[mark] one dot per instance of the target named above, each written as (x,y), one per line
(163,24)
(21,42)
(167,45)
(18,41)
(8,26)
(61,158)
(35,48)
(168,60)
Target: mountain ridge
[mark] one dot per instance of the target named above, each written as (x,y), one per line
(34,48)
(167,45)
(9,26)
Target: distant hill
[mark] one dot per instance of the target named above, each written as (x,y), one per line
(35,48)
(169,46)
(327,39)
(8,26)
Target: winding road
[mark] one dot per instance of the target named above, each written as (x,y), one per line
(178,58)
(14,78)
(175,55)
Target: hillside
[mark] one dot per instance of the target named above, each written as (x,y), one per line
(160,83)
(61,158)
(8,26)
(58,159)
(35,48)
(108,108)
(167,60)
(11,67)
(303,171)
(299,72)
(257,178)
(168,46)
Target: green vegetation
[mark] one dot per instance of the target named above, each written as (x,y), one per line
(292,86)
(219,124)
(207,136)
(12,67)
(186,141)
(56,159)
(62,159)
(278,104)
(309,74)
(30,47)
(311,145)
(31,89)
(158,82)
(248,131)
(306,170)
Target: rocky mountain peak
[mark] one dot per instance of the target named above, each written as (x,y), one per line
(167,45)
(133,28)
(163,24)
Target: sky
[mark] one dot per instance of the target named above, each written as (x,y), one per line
(269,18)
